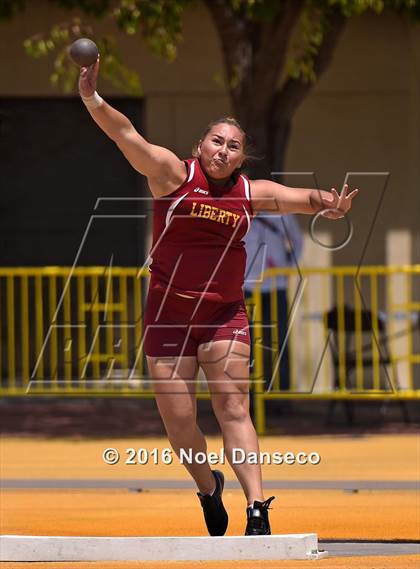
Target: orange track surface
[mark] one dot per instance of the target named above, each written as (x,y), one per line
(331,514)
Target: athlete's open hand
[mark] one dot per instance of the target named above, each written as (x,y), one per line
(88,78)
(337,205)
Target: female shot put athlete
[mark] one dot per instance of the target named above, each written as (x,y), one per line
(195,313)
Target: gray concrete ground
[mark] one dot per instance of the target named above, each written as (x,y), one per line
(372,548)
(138,484)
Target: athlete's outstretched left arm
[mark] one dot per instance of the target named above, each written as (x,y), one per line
(276,198)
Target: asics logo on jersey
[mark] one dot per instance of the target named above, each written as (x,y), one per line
(240,332)
(212,213)
(200,191)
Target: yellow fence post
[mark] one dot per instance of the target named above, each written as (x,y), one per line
(259,383)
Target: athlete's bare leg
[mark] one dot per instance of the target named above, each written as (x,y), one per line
(174,381)
(226,365)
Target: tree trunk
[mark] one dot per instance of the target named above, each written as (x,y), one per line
(268,145)
(252,69)
(279,135)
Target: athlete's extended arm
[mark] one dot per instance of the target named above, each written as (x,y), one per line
(276,198)
(163,168)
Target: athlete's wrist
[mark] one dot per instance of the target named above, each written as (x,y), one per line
(93,101)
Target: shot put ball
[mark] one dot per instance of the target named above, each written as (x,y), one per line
(84,52)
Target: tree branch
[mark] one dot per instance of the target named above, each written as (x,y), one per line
(271,57)
(291,95)
(254,53)
(233,30)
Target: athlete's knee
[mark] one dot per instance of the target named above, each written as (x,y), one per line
(228,409)
(179,421)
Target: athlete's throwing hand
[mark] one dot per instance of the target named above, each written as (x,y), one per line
(88,78)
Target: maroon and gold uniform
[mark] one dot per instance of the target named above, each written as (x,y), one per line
(197,266)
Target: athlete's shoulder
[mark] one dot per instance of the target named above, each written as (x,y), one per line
(190,169)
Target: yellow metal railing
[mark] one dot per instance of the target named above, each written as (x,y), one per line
(371,352)
(80,331)
(72,331)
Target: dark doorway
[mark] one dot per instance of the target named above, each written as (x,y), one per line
(55,164)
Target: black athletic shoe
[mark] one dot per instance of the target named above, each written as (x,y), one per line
(257,518)
(214,511)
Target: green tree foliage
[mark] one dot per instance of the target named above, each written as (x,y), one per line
(159,23)
(65,73)
(273,50)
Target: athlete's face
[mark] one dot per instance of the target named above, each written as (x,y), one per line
(221,151)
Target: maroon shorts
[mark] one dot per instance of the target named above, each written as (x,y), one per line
(174,327)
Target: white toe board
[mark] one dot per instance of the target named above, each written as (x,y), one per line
(56,548)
